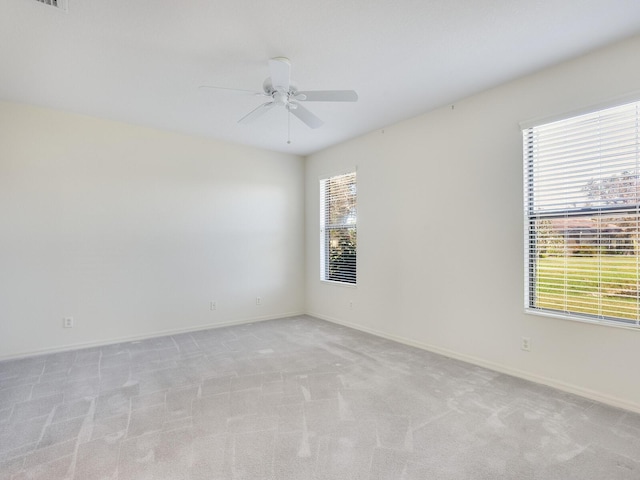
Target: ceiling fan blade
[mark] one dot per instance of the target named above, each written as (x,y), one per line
(328,96)
(280,69)
(204,88)
(257,112)
(306,116)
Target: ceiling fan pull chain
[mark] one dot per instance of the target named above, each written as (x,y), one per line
(288,126)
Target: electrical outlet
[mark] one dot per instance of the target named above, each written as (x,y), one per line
(213,306)
(526,344)
(67,322)
(258,301)
(351,304)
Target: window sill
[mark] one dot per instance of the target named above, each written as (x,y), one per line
(339,284)
(602,323)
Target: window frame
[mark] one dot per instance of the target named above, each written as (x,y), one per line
(326,229)
(531,217)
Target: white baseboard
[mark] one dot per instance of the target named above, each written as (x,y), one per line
(550,382)
(159,333)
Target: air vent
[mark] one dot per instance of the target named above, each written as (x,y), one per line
(59,4)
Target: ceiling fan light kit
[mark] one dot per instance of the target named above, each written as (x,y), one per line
(282,92)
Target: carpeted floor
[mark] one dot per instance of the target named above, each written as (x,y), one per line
(296,399)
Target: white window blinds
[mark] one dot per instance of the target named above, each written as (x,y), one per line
(582,197)
(338,228)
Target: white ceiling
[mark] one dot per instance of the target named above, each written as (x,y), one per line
(141,61)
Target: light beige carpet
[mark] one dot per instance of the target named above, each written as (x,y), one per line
(296,399)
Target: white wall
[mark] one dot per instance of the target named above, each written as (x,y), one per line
(133,231)
(440,234)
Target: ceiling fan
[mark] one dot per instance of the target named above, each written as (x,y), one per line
(282,92)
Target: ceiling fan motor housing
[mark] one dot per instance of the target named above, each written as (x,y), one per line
(268,88)
(281,98)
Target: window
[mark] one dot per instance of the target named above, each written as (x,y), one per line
(338,228)
(582,209)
